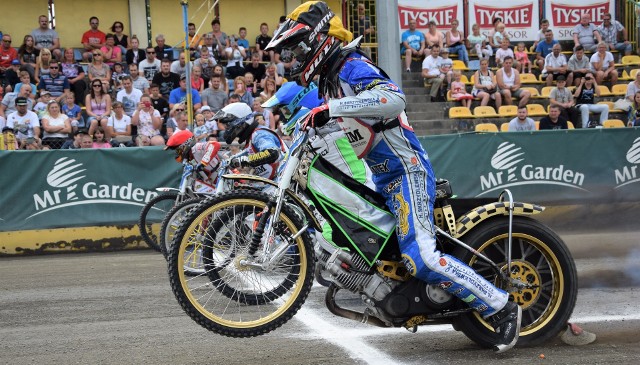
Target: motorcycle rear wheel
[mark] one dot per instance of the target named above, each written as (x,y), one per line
(241,300)
(539,257)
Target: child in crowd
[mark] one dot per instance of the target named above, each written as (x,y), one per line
(503,52)
(200,131)
(41,107)
(116,76)
(544,25)
(100,139)
(209,122)
(634,114)
(459,91)
(26,79)
(446,65)
(478,43)
(73,111)
(499,36)
(522,58)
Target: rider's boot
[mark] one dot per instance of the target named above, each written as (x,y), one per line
(506,323)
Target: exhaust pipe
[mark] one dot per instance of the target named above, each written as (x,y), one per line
(347,313)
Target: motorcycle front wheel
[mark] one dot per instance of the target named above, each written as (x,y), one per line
(235,296)
(152,215)
(539,258)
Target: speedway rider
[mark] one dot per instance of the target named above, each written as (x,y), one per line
(357,89)
(205,154)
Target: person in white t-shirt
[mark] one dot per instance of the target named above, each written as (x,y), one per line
(555,65)
(129,96)
(604,65)
(148,121)
(431,72)
(119,125)
(24,122)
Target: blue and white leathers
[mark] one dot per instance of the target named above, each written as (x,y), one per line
(403,174)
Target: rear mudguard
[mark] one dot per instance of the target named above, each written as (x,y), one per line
(475,216)
(298,201)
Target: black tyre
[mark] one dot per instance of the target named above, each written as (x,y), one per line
(172,220)
(540,258)
(152,215)
(235,296)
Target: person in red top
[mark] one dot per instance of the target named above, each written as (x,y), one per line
(92,39)
(7,55)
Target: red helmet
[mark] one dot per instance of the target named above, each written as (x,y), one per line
(181,142)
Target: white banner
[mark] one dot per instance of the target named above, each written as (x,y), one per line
(521,17)
(564,15)
(442,11)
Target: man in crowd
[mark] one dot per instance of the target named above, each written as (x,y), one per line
(433,78)
(257,69)
(214,96)
(55,82)
(128,96)
(166,79)
(261,42)
(139,83)
(586,34)
(76,143)
(8,105)
(179,95)
(522,122)
(579,65)
(508,79)
(555,65)
(609,29)
(23,121)
(413,44)
(162,50)
(543,49)
(43,37)
(554,120)
(150,65)
(7,55)
(92,39)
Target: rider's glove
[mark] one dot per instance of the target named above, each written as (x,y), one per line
(317,117)
(239,161)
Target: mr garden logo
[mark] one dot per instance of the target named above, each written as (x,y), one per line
(512,170)
(629,174)
(69,186)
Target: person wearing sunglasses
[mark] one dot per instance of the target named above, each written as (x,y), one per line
(150,65)
(609,29)
(54,82)
(93,39)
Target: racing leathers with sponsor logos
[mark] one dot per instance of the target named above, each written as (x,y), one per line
(263,151)
(403,174)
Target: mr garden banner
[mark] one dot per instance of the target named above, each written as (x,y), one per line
(548,167)
(80,188)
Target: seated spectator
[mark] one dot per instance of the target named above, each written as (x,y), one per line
(603,65)
(522,122)
(25,79)
(252,84)
(100,139)
(75,74)
(207,43)
(261,43)
(93,39)
(135,54)
(522,59)
(117,74)
(446,65)
(242,40)
(586,34)
(271,73)
(554,120)
(149,123)
(200,132)
(267,116)
(477,43)
(41,106)
(55,83)
(579,65)
(609,30)
(159,103)
(195,41)
(496,22)
(585,96)
(555,65)
(129,96)
(139,82)
(455,41)
(498,36)
(150,65)
(206,62)
(503,52)
(544,25)
(45,38)
(197,82)
(235,55)
(98,70)
(56,126)
(112,54)
(432,37)
(634,115)
(214,96)
(562,97)
(285,61)
(166,79)
(431,73)
(28,54)
(161,50)
(76,142)
(179,95)
(178,123)
(74,112)
(543,49)
(218,70)
(7,55)
(8,105)
(42,64)
(23,122)
(119,125)
(120,39)
(485,86)
(209,121)
(240,89)
(633,88)
(459,91)
(86,141)
(508,80)
(179,66)
(98,106)
(413,44)
(269,89)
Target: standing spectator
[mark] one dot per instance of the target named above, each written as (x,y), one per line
(413,44)
(159,103)
(93,39)
(543,49)
(24,122)
(206,62)
(261,43)
(55,83)
(135,54)
(431,73)
(119,126)
(522,122)
(139,82)
(151,65)
(56,126)
(586,34)
(179,95)
(148,121)
(579,65)
(240,89)
(554,120)
(235,55)
(456,42)
(508,79)
(221,40)
(75,74)
(603,65)
(562,97)
(503,52)
(255,67)
(161,50)
(98,70)
(555,65)
(165,79)
(585,95)
(28,55)
(179,66)
(485,86)
(195,41)
(540,36)
(7,55)
(112,54)
(129,96)
(609,30)
(120,39)
(477,43)
(98,106)
(46,38)
(215,97)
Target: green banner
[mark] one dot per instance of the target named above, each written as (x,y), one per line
(81,188)
(549,167)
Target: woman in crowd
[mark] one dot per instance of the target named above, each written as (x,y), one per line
(240,89)
(269,90)
(75,74)
(98,106)
(135,54)
(42,64)
(121,39)
(111,53)
(585,96)
(98,70)
(433,37)
(28,55)
(271,73)
(119,126)
(456,42)
(219,70)
(56,126)
(485,86)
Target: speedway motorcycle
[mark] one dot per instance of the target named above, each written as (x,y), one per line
(259,251)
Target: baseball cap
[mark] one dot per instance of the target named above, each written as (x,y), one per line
(15,62)
(444,50)
(80,131)
(44,92)
(21,100)
(183,76)
(560,78)
(206,107)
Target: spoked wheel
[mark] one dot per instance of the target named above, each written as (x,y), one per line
(540,259)
(237,295)
(172,220)
(152,215)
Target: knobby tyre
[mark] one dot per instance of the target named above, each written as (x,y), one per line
(231,297)
(152,215)
(539,257)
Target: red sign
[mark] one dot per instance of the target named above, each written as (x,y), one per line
(515,17)
(443,16)
(569,16)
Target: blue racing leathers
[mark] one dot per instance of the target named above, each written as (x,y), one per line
(403,174)
(264,141)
